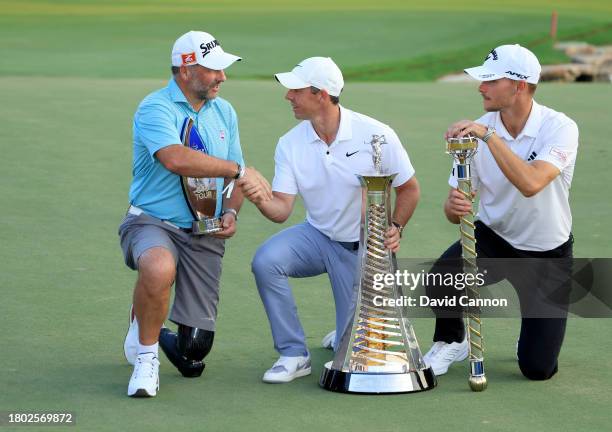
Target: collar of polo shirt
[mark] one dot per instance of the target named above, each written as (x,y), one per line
(344,130)
(531,129)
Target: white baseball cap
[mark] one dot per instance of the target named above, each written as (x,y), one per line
(196,47)
(319,72)
(508,61)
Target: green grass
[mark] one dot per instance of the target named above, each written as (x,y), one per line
(66,171)
(436,64)
(381,41)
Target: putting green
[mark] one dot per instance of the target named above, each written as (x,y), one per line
(66,171)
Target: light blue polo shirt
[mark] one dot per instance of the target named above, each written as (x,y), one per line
(157,124)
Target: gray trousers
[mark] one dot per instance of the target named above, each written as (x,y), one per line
(302,251)
(198,266)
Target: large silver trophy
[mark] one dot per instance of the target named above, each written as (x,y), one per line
(378,353)
(463,150)
(200,193)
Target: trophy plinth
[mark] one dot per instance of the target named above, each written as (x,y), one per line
(206,226)
(379,352)
(376,383)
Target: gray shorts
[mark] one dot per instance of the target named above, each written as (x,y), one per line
(198,266)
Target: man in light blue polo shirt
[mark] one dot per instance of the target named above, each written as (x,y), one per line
(155,234)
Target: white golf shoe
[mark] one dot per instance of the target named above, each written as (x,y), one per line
(286,369)
(329,340)
(442,355)
(130,345)
(145,378)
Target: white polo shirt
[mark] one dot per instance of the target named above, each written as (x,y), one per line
(325,176)
(541,222)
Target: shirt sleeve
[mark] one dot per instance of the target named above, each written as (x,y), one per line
(235,150)
(561,146)
(396,160)
(284,178)
(155,127)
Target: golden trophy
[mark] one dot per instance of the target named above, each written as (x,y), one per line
(463,150)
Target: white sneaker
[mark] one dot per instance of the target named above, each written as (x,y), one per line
(287,369)
(145,378)
(329,340)
(442,355)
(130,345)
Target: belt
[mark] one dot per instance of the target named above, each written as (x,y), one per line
(350,246)
(133,210)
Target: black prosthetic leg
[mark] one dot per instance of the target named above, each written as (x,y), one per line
(187,348)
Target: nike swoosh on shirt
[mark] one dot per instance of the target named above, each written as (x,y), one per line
(351,154)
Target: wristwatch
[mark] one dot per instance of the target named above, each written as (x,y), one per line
(240,172)
(490,132)
(232,211)
(399,227)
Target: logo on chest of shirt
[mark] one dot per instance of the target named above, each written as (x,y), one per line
(351,154)
(222,134)
(532,156)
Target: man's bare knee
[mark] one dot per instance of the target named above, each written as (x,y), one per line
(156,267)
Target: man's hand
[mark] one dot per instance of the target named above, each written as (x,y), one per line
(465,127)
(254,186)
(228,222)
(392,239)
(457,204)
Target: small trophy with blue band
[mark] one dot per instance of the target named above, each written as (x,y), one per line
(200,192)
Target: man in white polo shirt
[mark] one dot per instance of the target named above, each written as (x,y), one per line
(522,173)
(318,160)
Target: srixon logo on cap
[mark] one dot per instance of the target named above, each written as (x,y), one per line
(207,47)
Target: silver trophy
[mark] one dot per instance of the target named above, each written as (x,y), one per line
(378,353)
(463,150)
(200,193)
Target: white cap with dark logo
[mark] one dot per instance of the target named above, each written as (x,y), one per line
(508,61)
(319,72)
(196,47)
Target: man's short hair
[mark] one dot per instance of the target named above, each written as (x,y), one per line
(334,99)
(175,69)
(532,88)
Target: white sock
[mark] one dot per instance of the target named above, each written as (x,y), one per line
(146,349)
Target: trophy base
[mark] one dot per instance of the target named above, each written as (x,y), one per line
(206,226)
(376,383)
